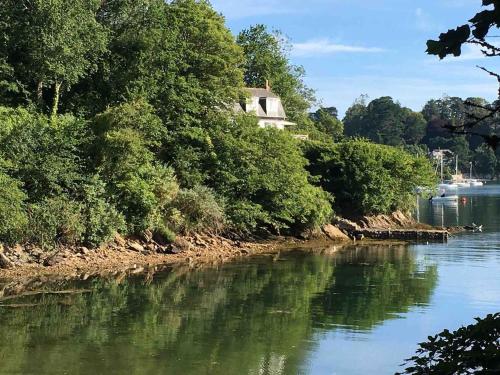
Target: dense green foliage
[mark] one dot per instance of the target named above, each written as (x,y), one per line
(117,116)
(367,178)
(197,210)
(469,350)
(386,122)
(261,172)
(13,218)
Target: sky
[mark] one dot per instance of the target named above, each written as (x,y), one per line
(372,47)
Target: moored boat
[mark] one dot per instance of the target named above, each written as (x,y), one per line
(476,183)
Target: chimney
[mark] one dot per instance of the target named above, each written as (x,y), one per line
(268,87)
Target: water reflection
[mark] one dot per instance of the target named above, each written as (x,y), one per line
(257,317)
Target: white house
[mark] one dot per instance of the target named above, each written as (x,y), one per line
(266,106)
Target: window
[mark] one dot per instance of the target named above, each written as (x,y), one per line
(263,104)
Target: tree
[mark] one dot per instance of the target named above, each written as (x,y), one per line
(354,117)
(384,121)
(475,33)
(414,126)
(367,178)
(51,44)
(485,161)
(139,185)
(266,59)
(262,175)
(179,56)
(326,121)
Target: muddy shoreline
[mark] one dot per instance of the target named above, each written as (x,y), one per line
(134,256)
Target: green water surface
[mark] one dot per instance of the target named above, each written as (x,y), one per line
(360,311)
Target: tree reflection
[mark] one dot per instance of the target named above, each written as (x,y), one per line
(257,317)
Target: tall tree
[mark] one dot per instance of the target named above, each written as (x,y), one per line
(384,121)
(51,44)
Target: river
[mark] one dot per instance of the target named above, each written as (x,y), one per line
(358,311)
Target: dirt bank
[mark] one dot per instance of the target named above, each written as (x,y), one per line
(138,255)
(126,255)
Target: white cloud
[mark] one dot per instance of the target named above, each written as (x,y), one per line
(319,47)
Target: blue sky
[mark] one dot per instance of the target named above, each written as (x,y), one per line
(373,47)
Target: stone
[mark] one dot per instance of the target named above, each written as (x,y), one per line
(137,270)
(119,240)
(5,262)
(360,236)
(334,233)
(136,247)
(147,236)
(180,246)
(83,250)
(347,225)
(53,260)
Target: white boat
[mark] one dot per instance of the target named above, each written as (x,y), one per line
(476,183)
(464,184)
(445,185)
(473,182)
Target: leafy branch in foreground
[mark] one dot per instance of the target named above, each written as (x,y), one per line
(474,33)
(474,349)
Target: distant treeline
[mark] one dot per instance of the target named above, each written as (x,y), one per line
(116,116)
(385,121)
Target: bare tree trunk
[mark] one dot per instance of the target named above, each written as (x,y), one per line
(39,92)
(55,106)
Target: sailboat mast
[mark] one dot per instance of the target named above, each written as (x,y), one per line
(442,172)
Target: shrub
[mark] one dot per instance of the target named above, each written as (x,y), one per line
(102,219)
(137,115)
(198,210)
(13,217)
(55,221)
(165,234)
(367,178)
(140,187)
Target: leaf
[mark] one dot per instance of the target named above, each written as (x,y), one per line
(449,43)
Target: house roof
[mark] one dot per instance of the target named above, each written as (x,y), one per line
(261,93)
(258,93)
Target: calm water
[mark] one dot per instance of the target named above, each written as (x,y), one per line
(360,311)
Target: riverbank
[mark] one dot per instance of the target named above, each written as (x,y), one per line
(143,254)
